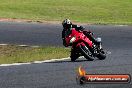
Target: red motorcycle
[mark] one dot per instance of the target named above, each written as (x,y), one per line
(83,46)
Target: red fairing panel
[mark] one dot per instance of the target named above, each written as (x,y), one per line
(79,36)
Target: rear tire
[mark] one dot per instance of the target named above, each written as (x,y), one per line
(85,52)
(73,56)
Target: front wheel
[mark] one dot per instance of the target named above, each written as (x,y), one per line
(86,53)
(101,55)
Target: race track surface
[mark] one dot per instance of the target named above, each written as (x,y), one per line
(117,41)
(30,34)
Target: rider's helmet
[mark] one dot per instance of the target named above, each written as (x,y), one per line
(66,24)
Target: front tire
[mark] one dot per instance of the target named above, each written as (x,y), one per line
(85,52)
(101,55)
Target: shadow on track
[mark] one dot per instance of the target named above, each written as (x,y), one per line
(66,61)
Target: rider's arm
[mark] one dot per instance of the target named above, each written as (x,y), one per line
(78,28)
(63,34)
(81,28)
(63,38)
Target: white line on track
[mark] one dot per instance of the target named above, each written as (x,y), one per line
(35,62)
(14,64)
(23,45)
(3,44)
(121,25)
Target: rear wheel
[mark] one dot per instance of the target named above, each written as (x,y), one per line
(86,53)
(74,55)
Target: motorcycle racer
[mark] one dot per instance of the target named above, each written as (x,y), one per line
(82,42)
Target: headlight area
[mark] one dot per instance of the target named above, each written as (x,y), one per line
(72,39)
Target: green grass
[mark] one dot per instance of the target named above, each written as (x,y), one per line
(17,54)
(88,11)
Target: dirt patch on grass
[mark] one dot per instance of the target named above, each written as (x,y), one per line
(37,21)
(27,20)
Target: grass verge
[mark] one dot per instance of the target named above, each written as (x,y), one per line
(87,11)
(17,54)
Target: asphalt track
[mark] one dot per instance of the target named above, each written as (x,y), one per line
(62,74)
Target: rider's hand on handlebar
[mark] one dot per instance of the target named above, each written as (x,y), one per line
(82,28)
(90,33)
